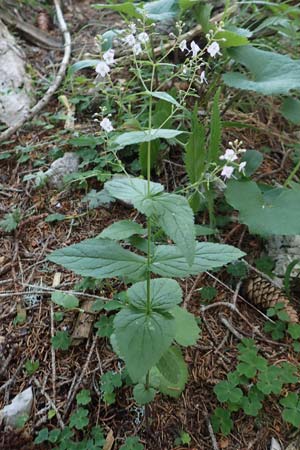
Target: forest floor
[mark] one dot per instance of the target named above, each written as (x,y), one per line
(24,272)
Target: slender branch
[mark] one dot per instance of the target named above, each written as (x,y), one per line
(57,81)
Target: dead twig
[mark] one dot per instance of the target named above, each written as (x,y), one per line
(50,401)
(230,327)
(211,434)
(56,83)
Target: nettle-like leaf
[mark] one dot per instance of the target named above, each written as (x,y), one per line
(250,363)
(123,229)
(173,372)
(169,261)
(187,330)
(269,380)
(252,404)
(226,391)
(100,258)
(137,137)
(171,211)
(265,213)
(272,73)
(142,338)
(164,294)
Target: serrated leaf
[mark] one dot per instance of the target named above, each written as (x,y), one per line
(273,73)
(83,397)
(172,365)
(265,213)
(232,39)
(136,137)
(68,301)
(122,229)
(166,97)
(100,258)
(142,339)
(187,330)
(294,330)
(165,294)
(221,420)
(132,190)
(61,340)
(142,395)
(79,419)
(169,261)
(225,392)
(291,412)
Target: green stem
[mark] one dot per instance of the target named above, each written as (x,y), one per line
(292,174)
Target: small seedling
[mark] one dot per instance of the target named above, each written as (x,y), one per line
(61,340)
(31,366)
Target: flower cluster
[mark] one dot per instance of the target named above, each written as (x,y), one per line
(103,66)
(230,156)
(134,40)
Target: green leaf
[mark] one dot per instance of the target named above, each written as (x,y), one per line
(294,330)
(79,419)
(122,229)
(165,294)
(54,435)
(105,326)
(272,73)
(253,403)
(11,221)
(221,420)
(142,339)
(83,65)
(55,218)
(42,436)
(31,366)
(291,412)
(202,14)
(83,397)
(201,230)
(161,10)
(215,131)
(68,301)
(250,363)
(127,8)
(269,381)
(175,216)
(169,261)
(142,395)
(166,97)
(253,159)
(100,258)
(132,443)
(208,293)
(173,372)
(187,330)
(61,340)
(132,190)
(265,213)
(290,109)
(136,137)
(225,392)
(232,39)
(195,152)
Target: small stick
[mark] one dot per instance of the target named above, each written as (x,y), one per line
(84,369)
(211,434)
(53,354)
(7,361)
(12,379)
(51,403)
(192,290)
(230,327)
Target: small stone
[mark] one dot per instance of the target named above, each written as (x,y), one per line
(61,167)
(20,405)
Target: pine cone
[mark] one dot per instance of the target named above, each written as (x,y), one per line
(264,294)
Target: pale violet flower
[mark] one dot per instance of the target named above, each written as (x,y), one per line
(183,46)
(106,125)
(213,49)
(242,166)
(229,155)
(130,40)
(195,48)
(143,38)
(137,49)
(108,57)
(227,171)
(132,28)
(203,77)
(102,69)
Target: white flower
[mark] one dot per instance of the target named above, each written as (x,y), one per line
(132,28)
(102,69)
(143,38)
(183,46)
(184,70)
(242,166)
(137,49)
(229,155)
(106,125)
(195,48)
(203,77)
(109,57)
(227,171)
(213,49)
(130,40)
